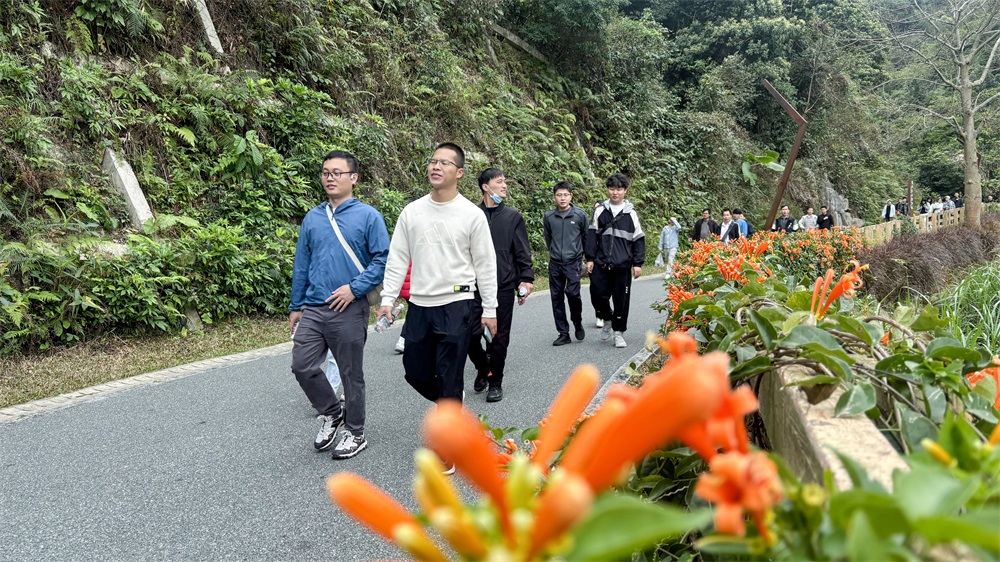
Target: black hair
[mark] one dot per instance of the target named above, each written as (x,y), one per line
(707,210)
(459,153)
(821,207)
(562,185)
(352,161)
(737,211)
(783,207)
(617,180)
(487,176)
(727,211)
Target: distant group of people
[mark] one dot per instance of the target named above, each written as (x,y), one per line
(463,265)
(734,225)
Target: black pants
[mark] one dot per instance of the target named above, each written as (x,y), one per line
(494,359)
(614,285)
(564,281)
(343,333)
(437,339)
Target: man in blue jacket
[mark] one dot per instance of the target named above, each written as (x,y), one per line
(330,304)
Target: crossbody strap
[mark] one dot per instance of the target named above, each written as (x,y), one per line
(350,252)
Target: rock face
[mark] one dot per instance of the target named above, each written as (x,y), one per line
(837,205)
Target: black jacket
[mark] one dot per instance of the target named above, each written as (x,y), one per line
(564,236)
(615,241)
(510,240)
(786,224)
(713,228)
(824,222)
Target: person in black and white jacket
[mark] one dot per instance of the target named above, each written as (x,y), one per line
(615,250)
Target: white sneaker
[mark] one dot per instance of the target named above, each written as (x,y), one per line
(349,445)
(606,333)
(327,431)
(400,345)
(619,340)
(600,323)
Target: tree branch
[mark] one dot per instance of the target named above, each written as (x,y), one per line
(985,103)
(989,62)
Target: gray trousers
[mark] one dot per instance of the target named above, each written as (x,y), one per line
(343,333)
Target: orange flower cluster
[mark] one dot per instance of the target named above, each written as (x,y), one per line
(676,295)
(824,296)
(992,371)
(689,399)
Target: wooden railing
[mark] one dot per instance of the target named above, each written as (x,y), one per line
(884,232)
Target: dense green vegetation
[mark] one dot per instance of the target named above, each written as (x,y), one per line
(226,147)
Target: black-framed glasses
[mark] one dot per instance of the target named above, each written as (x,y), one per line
(335,175)
(444,163)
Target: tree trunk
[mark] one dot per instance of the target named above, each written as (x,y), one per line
(973,181)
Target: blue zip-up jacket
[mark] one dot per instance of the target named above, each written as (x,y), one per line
(321,263)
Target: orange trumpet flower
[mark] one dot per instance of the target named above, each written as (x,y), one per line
(992,371)
(566,408)
(382,514)
(738,482)
(456,435)
(665,405)
(849,282)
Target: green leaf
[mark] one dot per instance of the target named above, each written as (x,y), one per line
(831,361)
(794,319)
(859,477)
(926,491)
(858,399)
(813,381)
(764,328)
(57,194)
(935,401)
(901,363)
(883,514)
(803,336)
(755,366)
(800,300)
(723,544)
(854,327)
(745,353)
(619,525)
(862,542)
(915,427)
(950,348)
(977,527)
(929,320)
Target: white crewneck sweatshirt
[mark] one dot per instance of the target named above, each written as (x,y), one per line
(451,249)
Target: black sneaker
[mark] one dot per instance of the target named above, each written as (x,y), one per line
(563,339)
(482,381)
(495,393)
(578,326)
(349,445)
(327,431)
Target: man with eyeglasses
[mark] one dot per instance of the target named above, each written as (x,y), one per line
(565,230)
(329,302)
(447,239)
(514,278)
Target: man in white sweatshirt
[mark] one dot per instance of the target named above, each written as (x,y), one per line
(447,239)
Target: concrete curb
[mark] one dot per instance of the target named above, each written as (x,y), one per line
(17,412)
(619,376)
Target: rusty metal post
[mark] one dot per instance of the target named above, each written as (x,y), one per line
(791,155)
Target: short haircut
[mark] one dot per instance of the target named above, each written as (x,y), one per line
(352,162)
(562,185)
(737,211)
(488,175)
(707,210)
(784,207)
(822,207)
(459,153)
(617,180)
(727,211)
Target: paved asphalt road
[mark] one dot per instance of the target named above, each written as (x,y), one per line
(220,465)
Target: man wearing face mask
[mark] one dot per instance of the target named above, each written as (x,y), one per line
(514,280)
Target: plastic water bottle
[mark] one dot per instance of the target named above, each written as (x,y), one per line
(522,291)
(384,322)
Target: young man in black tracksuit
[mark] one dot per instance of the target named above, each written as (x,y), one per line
(514,279)
(565,232)
(616,250)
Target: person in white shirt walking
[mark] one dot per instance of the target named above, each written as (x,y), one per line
(447,239)
(669,244)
